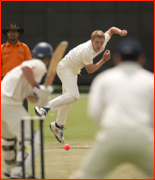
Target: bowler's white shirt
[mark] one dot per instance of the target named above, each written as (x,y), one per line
(82,54)
(123,96)
(15,87)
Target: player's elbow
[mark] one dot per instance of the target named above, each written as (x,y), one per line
(25,69)
(90,68)
(111,31)
(90,71)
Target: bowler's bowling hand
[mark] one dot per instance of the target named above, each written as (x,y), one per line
(106,55)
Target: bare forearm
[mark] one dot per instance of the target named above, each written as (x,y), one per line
(94,67)
(98,65)
(28,73)
(115,30)
(106,57)
(32,99)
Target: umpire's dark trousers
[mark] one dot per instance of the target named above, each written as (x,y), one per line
(25,102)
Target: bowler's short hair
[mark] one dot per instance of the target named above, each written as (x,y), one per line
(97,33)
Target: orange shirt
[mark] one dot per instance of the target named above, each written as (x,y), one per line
(12,56)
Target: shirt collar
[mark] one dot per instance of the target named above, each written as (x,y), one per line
(17,44)
(129,64)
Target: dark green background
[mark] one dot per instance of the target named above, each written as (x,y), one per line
(75,21)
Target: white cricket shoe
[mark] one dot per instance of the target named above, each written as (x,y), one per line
(41,111)
(58,132)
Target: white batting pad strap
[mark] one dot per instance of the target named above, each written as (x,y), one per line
(9,150)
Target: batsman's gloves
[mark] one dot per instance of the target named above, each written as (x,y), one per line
(43,94)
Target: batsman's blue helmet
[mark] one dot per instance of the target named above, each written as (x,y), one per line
(42,50)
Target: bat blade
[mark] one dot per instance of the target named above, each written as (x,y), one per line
(57,56)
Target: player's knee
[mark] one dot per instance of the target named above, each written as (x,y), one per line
(75,97)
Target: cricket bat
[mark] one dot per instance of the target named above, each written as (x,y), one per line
(57,56)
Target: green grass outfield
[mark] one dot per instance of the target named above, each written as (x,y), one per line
(80,134)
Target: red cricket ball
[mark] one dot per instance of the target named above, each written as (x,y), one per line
(66,147)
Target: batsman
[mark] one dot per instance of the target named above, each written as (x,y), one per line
(20,83)
(68,69)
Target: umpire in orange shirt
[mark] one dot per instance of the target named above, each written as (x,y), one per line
(13,52)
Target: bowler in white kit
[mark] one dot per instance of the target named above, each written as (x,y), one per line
(68,69)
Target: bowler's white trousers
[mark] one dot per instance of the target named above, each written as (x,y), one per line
(116,146)
(70,93)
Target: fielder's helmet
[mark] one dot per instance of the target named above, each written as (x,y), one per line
(42,50)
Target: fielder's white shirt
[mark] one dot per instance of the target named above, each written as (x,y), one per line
(15,87)
(82,54)
(123,96)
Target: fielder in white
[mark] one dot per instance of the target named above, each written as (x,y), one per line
(18,84)
(121,101)
(68,69)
